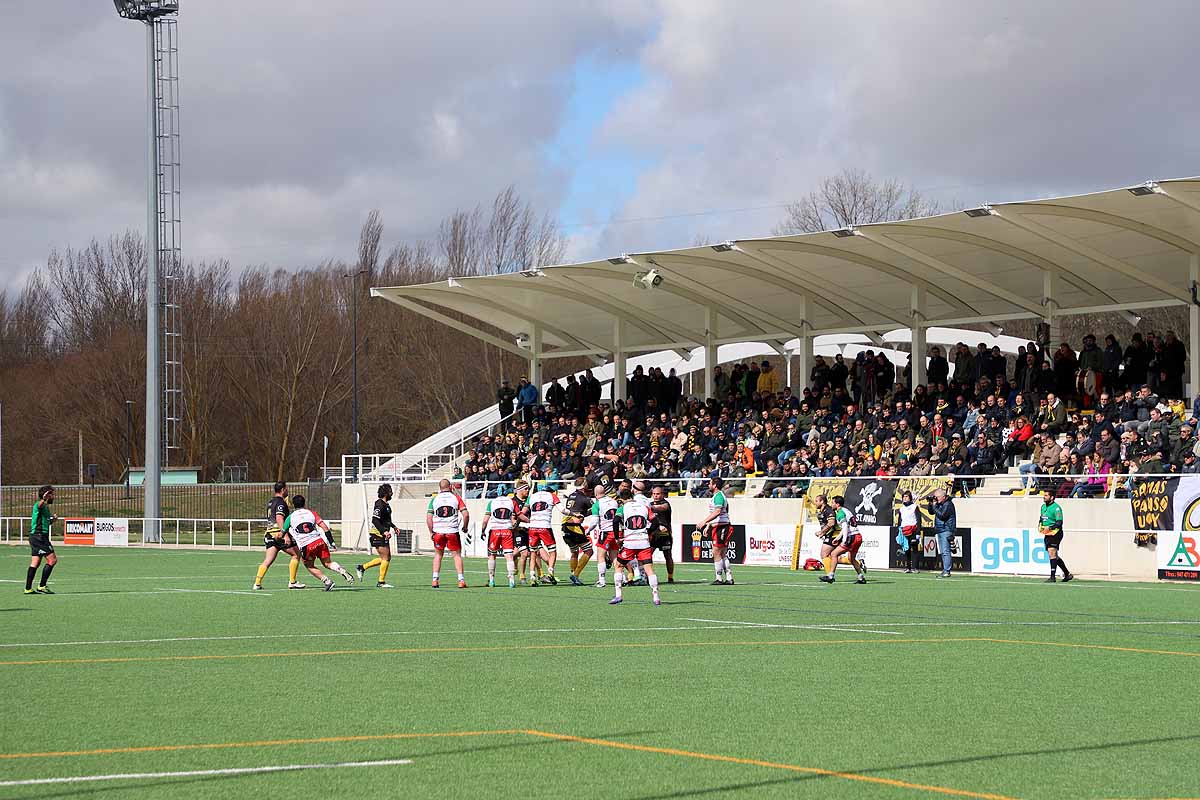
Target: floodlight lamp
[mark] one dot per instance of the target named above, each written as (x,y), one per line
(533,272)
(1132,318)
(983,211)
(145,10)
(995,330)
(453,283)
(1149,187)
(845,233)
(522,340)
(724,247)
(624,258)
(648,280)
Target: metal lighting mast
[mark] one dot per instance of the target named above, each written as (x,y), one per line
(163,349)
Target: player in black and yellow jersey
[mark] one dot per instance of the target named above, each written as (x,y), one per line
(381,532)
(276,539)
(578,505)
(39,542)
(660,530)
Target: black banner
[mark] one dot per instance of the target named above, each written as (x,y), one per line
(871,500)
(928,558)
(698,546)
(1153,504)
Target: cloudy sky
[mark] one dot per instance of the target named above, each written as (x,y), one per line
(637,125)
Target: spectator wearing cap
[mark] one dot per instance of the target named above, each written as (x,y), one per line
(945,524)
(1186,444)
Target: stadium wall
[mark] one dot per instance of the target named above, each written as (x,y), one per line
(1000,533)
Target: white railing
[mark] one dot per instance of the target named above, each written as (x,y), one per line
(208,534)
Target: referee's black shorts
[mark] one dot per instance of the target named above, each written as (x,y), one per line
(40,545)
(1054,540)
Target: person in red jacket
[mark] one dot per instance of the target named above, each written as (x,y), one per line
(1018,440)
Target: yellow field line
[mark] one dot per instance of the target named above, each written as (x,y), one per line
(1093,647)
(494,649)
(850,776)
(166,748)
(513,732)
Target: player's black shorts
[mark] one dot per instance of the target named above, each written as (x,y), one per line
(520,539)
(573,535)
(279,543)
(40,545)
(661,539)
(380,541)
(1054,541)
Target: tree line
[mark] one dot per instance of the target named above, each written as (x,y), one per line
(266,352)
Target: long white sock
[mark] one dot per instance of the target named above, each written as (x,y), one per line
(435,576)
(461,577)
(717,562)
(492,567)
(728,571)
(617,583)
(512,570)
(601,567)
(336,567)
(654,584)
(637,571)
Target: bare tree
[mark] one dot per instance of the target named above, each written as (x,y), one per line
(853,197)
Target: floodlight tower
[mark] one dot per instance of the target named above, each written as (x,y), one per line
(163,350)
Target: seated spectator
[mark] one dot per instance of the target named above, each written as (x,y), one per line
(1096,481)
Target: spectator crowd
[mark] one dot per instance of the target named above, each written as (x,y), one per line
(1092,414)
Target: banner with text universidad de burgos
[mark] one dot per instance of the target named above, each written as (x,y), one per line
(697,546)
(921,488)
(870,500)
(769,545)
(1009,551)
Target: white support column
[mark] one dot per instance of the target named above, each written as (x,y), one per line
(918,338)
(1050,304)
(804,363)
(787,359)
(710,350)
(535,359)
(1194,333)
(618,385)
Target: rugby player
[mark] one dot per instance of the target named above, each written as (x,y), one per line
(635,516)
(579,503)
(446,517)
(313,539)
(498,527)
(830,535)
(660,528)
(277,540)
(39,542)
(625,492)
(540,508)
(520,533)
(1050,524)
(717,522)
(604,509)
(381,534)
(851,540)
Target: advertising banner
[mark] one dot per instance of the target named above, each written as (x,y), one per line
(929,559)
(697,546)
(875,546)
(1166,504)
(112,532)
(79,531)
(1179,556)
(1008,551)
(769,545)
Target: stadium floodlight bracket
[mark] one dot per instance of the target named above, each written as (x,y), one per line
(724,247)
(1149,187)
(533,272)
(624,258)
(995,330)
(1132,318)
(845,233)
(983,211)
(523,340)
(453,283)
(146,10)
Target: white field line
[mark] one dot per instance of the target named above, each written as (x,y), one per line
(341,634)
(134,776)
(792,627)
(211,591)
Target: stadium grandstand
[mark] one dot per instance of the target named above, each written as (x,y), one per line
(776,363)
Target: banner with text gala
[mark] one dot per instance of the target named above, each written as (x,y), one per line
(1009,551)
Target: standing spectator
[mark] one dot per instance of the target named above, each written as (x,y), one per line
(674,395)
(1112,363)
(938,370)
(838,373)
(1091,372)
(1066,365)
(527,399)
(556,395)
(720,382)
(574,403)
(768,380)
(1137,361)
(945,523)
(819,375)
(1171,366)
(504,399)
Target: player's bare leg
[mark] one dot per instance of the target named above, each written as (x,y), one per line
(829,561)
(719,565)
(311,566)
(842,555)
(339,569)
(670,564)
(618,582)
(458,565)
(437,565)
(652,579)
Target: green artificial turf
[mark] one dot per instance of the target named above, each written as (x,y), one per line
(907,685)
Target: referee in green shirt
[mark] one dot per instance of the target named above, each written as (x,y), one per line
(1050,525)
(39,542)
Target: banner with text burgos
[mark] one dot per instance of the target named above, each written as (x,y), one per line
(1008,551)
(770,545)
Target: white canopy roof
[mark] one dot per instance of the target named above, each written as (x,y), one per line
(1123,249)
